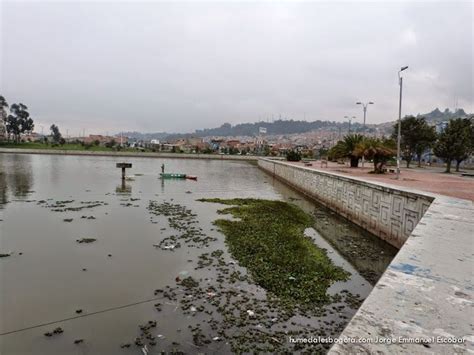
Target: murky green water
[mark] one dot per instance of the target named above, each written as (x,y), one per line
(49,276)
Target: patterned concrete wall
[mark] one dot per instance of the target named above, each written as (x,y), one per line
(389,213)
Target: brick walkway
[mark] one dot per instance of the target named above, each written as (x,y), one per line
(427,179)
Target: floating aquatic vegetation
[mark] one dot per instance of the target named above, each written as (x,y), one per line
(86,240)
(189,282)
(64,206)
(268,238)
(183,221)
(55,331)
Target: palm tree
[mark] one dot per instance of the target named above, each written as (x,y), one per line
(378,150)
(347,149)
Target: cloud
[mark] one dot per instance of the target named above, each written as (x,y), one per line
(409,37)
(178,66)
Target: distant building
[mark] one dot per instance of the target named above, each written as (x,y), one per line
(32,137)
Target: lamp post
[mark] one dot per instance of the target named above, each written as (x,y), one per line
(399,136)
(364,107)
(350,119)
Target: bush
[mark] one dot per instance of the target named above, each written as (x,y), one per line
(293,155)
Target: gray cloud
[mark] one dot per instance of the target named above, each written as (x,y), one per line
(177,66)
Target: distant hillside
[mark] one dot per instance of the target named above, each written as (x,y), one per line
(432,117)
(281,127)
(146,136)
(276,127)
(439,116)
(273,128)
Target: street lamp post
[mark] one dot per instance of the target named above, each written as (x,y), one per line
(364,106)
(399,136)
(350,119)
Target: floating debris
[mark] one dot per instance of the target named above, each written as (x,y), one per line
(5,255)
(68,219)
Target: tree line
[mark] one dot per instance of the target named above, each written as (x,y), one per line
(454,143)
(19,122)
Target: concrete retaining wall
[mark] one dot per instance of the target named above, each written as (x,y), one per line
(389,213)
(426,293)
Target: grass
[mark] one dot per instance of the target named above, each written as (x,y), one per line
(268,239)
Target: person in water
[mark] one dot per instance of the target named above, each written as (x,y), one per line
(162,168)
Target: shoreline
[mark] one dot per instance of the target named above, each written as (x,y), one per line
(129,154)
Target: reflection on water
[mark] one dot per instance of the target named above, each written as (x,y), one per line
(124,188)
(81,197)
(3,188)
(16,176)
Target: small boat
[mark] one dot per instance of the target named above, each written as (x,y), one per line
(177,176)
(172,176)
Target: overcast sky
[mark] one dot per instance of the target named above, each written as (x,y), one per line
(177,66)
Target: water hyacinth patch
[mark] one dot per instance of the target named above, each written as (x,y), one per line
(268,239)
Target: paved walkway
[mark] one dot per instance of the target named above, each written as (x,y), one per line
(426,179)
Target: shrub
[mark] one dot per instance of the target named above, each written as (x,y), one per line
(293,155)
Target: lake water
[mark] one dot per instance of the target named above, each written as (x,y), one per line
(49,276)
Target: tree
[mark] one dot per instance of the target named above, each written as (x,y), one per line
(455,142)
(378,150)
(347,149)
(19,121)
(293,155)
(55,133)
(416,137)
(111,143)
(3,116)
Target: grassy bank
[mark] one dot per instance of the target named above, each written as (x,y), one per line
(268,239)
